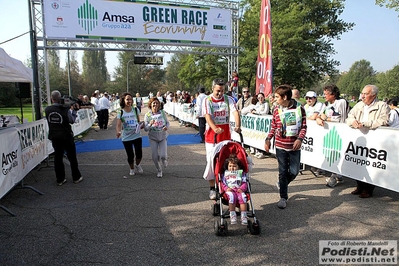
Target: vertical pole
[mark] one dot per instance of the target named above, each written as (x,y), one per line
(69,72)
(33,48)
(127,76)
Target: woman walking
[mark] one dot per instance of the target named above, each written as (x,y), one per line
(157,124)
(128,128)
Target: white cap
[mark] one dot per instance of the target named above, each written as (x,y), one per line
(178,92)
(311,94)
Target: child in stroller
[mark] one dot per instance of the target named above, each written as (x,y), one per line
(243,199)
(234,183)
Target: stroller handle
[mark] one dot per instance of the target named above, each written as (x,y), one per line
(240,134)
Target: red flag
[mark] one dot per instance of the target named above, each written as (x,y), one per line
(264,64)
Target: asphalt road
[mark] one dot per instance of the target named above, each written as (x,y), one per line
(145,220)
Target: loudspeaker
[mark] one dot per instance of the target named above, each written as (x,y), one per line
(23,90)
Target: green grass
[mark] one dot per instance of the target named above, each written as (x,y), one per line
(26,109)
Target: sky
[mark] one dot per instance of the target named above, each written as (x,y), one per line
(375,37)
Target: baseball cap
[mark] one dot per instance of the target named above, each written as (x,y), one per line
(311,94)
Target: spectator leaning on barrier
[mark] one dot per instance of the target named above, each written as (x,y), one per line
(393,114)
(288,128)
(370,113)
(336,110)
(217,109)
(59,119)
(313,107)
(199,112)
(245,100)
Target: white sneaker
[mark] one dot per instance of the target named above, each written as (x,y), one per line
(131,172)
(244,220)
(139,169)
(233,218)
(165,163)
(282,203)
(331,181)
(261,156)
(159,174)
(212,194)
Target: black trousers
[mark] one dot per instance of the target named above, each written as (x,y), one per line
(62,146)
(103,119)
(363,186)
(201,127)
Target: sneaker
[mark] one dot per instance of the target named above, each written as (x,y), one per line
(78,181)
(212,194)
(319,172)
(331,181)
(165,163)
(233,218)
(244,220)
(139,169)
(340,179)
(261,156)
(131,172)
(63,182)
(282,203)
(159,174)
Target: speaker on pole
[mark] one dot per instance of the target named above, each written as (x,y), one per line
(23,90)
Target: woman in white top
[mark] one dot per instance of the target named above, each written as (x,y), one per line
(157,124)
(261,107)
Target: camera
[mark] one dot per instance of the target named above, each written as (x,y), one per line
(68,101)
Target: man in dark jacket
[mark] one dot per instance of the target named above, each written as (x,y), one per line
(60,116)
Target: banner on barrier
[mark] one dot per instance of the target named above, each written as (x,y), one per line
(22,148)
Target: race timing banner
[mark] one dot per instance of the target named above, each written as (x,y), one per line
(114,20)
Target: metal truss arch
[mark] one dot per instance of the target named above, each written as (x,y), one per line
(45,44)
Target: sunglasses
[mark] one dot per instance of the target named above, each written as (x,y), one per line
(244,91)
(309,98)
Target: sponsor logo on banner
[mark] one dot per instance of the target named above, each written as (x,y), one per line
(332,145)
(55,5)
(9,161)
(87,17)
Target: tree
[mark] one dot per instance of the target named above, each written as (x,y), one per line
(95,73)
(388,83)
(359,75)
(302,34)
(392,4)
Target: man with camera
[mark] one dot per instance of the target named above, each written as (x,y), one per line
(60,115)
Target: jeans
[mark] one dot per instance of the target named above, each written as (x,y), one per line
(288,168)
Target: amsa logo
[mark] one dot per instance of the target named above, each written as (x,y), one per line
(87,17)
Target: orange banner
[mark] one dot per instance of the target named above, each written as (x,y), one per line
(264,75)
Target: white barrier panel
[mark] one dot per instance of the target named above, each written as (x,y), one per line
(22,148)
(84,120)
(370,156)
(183,111)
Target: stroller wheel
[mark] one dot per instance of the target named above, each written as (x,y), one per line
(220,230)
(253,228)
(215,209)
